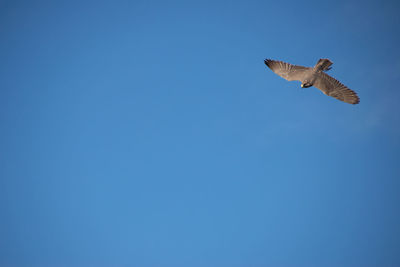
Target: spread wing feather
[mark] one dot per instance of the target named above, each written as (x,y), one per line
(332,87)
(285,70)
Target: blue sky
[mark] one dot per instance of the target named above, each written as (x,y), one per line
(150,133)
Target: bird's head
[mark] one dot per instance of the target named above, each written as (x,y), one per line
(306,84)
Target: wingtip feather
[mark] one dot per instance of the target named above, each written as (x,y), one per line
(267,62)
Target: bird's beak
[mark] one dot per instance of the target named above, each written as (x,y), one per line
(302,85)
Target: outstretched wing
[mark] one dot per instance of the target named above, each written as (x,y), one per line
(285,70)
(332,87)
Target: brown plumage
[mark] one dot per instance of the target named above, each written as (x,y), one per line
(315,76)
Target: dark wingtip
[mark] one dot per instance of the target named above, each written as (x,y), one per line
(356,101)
(267,61)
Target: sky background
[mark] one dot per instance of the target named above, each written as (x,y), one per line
(150,133)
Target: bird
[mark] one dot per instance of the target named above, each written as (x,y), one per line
(314,76)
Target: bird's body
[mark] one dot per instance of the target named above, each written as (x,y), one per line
(314,76)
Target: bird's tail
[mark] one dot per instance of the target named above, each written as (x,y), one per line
(323,64)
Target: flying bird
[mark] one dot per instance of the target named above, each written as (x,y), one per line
(314,76)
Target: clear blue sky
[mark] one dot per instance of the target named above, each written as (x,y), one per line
(150,133)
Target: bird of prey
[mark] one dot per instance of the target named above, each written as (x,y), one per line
(314,76)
